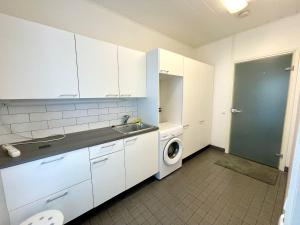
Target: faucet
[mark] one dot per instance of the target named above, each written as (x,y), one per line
(125,119)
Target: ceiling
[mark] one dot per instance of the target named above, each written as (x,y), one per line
(197,22)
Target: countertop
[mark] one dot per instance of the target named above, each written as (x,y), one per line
(71,142)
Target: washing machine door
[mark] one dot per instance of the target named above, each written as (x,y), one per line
(173,151)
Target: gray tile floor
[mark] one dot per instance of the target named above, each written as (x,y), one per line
(199,193)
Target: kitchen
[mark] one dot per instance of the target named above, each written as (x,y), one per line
(95,118)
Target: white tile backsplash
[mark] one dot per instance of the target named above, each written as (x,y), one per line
(45,116)
(22,120)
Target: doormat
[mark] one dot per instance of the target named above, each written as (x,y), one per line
(255,170)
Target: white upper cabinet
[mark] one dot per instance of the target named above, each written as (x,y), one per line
(170,63)
(132,72)
(97,68)
(36,61)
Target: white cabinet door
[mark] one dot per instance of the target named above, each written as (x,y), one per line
(97,68)
(132,72)
(37,61)
(141,157)
(170,63)
(108,176)
(31,181)
(72,202)
(197,105)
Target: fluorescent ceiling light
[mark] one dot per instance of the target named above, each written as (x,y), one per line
(234,6)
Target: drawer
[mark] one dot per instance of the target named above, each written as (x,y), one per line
(108,176)
(72,202)
(107,148)
(31,181)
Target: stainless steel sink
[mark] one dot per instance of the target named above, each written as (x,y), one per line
(131,128)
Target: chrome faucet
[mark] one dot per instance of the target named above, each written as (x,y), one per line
(125,119)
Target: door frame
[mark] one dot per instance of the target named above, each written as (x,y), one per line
(289,127)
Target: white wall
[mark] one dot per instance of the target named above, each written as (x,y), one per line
(88,18)
(271,39)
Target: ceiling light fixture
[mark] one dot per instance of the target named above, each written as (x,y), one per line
(234,6)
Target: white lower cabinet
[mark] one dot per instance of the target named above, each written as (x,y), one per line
(34,180)
(141,157)
(72,202)
(80,180)
(108,176)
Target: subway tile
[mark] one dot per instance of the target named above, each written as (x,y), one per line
(17,118)
(76,128)
(60,107)
(114,110)
(86,106)
(47,132)
(22,127)
(61,122)
(98,125)
(5,129)
(93,112)
(103,111)
(75,113)
(87,119)
(45,116)
(3,109)
(26,109)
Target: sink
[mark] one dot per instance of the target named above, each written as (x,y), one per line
(132,128)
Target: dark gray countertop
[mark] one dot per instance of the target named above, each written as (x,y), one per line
(74,141)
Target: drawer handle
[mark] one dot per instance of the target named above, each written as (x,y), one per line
(186,126)
(51,161)
(99,161)
(125,95)
(130,140)
(107,146)
(58,197)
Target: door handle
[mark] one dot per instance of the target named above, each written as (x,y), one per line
(236,111)
(67,95)
(164,71)
(111,95)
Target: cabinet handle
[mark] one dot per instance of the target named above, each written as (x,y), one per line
(186,126)
(107,146)
(164,71)
(201,121)
(125,95)
(58,197)
(51,161)
(68,95)
(130,140)
(111,95)
(99,161)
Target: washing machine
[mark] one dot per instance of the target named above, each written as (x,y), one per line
(170,149)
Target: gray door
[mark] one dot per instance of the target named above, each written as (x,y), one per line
(258,110)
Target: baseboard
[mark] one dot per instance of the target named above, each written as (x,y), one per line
(217,148)
(195,153)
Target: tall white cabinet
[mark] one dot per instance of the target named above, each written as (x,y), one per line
(197,105)
(36,61)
